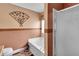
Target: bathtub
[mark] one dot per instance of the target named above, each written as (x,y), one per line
(36,46)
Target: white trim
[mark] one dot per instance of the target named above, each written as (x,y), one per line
(55,10)
(54,16)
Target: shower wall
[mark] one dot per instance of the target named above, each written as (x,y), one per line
(57,6)
(67,32)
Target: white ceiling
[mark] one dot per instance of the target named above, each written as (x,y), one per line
(37,7)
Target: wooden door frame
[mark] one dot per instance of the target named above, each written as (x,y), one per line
(49,28)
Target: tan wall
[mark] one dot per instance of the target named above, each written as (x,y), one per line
(17,38)
(7,21)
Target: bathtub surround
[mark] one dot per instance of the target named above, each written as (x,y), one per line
(67,31)
(49,22)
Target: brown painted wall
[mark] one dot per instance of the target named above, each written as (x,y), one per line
(69,4)
(17,38)
(57,6)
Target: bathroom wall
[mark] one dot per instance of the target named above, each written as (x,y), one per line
(67,41)
(11,35)
(8,21)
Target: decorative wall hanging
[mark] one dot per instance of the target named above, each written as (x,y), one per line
(19,16)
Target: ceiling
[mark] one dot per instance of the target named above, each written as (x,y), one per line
(37,7)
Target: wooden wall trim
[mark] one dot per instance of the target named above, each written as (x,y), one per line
(18,29)
(50,41)
(48,30)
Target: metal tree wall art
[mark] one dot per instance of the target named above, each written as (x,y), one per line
(19,16)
